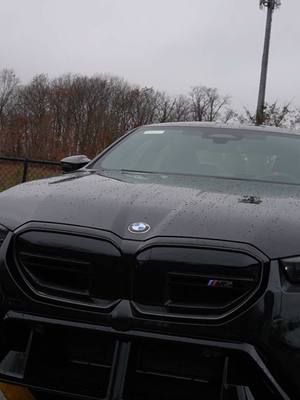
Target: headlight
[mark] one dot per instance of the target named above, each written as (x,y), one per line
(292,269)
(3,233)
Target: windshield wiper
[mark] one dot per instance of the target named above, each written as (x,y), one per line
(135,171)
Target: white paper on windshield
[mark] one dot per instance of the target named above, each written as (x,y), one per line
(154,132)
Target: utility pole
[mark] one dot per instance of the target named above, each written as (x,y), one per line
(271,5)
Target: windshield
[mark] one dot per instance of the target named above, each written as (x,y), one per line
(215,152)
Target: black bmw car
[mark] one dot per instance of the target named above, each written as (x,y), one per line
(168,268)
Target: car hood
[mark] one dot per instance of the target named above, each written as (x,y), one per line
(265,215)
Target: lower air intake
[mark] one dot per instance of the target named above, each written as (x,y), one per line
(59,360)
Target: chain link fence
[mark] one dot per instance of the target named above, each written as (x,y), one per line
(17,170)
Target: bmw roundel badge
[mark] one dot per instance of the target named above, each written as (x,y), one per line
(139,227)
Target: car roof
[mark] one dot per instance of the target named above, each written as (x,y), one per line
(261,128)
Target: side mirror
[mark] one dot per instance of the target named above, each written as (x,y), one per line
(73,163)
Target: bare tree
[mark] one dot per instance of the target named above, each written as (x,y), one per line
(274,115)
(207,104)
(229,116)
(182,109)
(165,107)
(50,118)
(8,85)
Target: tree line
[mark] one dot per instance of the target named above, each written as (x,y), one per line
(74,114)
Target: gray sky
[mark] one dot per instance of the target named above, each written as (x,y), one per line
(168,44)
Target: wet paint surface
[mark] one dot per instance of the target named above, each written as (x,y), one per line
(265,215)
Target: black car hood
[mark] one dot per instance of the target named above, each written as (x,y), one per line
(265,215)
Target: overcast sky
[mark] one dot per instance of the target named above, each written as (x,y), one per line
(168,44)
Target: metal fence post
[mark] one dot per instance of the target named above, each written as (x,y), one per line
(17,170)
(25,170)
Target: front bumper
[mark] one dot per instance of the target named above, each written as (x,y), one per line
(132,354)
(93,362)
